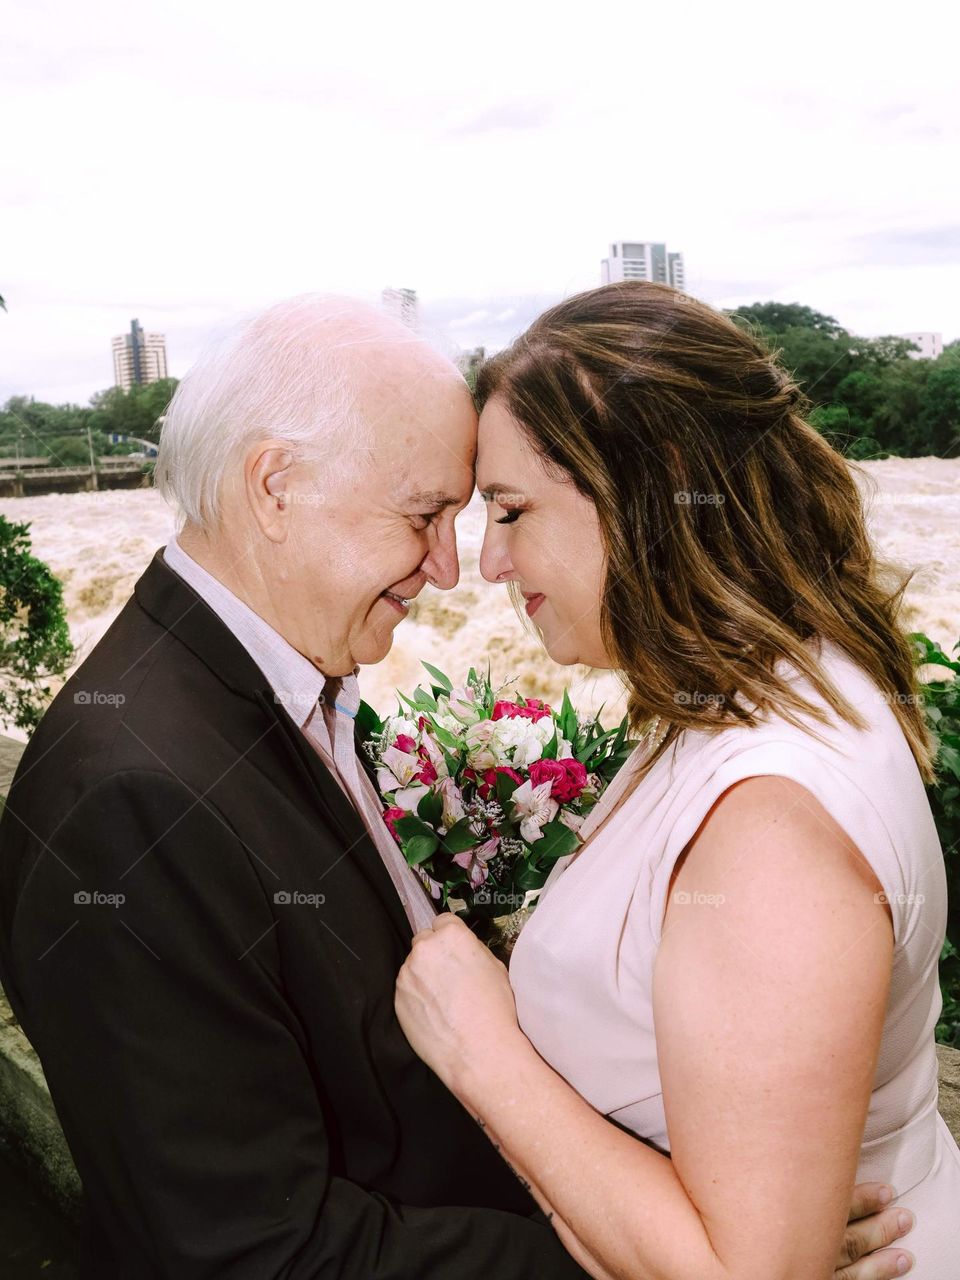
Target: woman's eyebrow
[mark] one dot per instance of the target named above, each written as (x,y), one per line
(490,492)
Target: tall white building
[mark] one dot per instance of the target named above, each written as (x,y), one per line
(402,303)
(642,260)
(930,344)
(138,357)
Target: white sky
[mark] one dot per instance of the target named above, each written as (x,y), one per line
(185,163)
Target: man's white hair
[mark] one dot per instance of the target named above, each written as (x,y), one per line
(276,375)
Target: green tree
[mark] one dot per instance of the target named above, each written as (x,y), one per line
(34,638)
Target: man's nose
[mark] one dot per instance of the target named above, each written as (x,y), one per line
(442,564)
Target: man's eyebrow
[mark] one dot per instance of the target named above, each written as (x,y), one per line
(433,498)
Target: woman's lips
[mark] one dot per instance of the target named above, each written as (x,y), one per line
(534,603)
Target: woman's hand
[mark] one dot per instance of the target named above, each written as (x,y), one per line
(454,1002)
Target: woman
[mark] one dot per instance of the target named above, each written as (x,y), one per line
(740,965)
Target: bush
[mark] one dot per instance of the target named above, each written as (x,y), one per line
(34,638)
(942,703)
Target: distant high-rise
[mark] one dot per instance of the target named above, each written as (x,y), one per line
(642,260)
(138,357)
(402,303)
(930,344)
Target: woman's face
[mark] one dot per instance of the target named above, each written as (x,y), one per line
(543,534)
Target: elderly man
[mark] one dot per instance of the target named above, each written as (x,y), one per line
(202,915)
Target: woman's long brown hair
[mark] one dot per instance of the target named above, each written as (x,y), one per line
(733,531)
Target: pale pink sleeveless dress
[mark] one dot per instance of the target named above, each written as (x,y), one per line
(582,968)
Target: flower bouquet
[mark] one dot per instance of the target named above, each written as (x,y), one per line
(484,791)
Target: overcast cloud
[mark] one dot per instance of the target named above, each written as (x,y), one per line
(188,162)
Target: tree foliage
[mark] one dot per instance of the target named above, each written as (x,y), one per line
(34,638)
(870,397)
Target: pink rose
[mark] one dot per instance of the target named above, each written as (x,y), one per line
(391,817)
(567,778)
(489,783)
(405,744)
(533,709)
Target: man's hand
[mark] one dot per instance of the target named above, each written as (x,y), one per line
(864,1254)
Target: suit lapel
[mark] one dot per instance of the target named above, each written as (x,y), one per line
(165,596)
(341,814)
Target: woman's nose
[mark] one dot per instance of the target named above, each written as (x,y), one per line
(494,561)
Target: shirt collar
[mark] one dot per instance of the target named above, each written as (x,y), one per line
(296,682)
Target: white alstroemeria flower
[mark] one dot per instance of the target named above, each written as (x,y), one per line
(409,797)
(564,748)
(452,798)
(534,807)
(397,769)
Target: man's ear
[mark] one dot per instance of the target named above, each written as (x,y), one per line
(267,473)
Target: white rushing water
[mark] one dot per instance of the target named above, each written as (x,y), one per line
(98,544)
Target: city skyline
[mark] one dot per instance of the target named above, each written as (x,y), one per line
(489,176)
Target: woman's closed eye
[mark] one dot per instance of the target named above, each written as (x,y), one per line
(511,517)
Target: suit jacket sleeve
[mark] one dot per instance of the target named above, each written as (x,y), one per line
(179,1071)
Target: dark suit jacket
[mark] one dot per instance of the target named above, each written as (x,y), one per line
(227,1066)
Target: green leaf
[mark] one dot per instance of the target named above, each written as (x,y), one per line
(419,848)
(505,788)
(368,722)
(430,809)
(443,681)
(460,837)
(445,737)
(557,841)
(422,700)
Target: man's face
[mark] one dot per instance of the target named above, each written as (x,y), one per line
(360,545)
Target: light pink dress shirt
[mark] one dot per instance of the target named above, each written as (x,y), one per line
(298,686)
